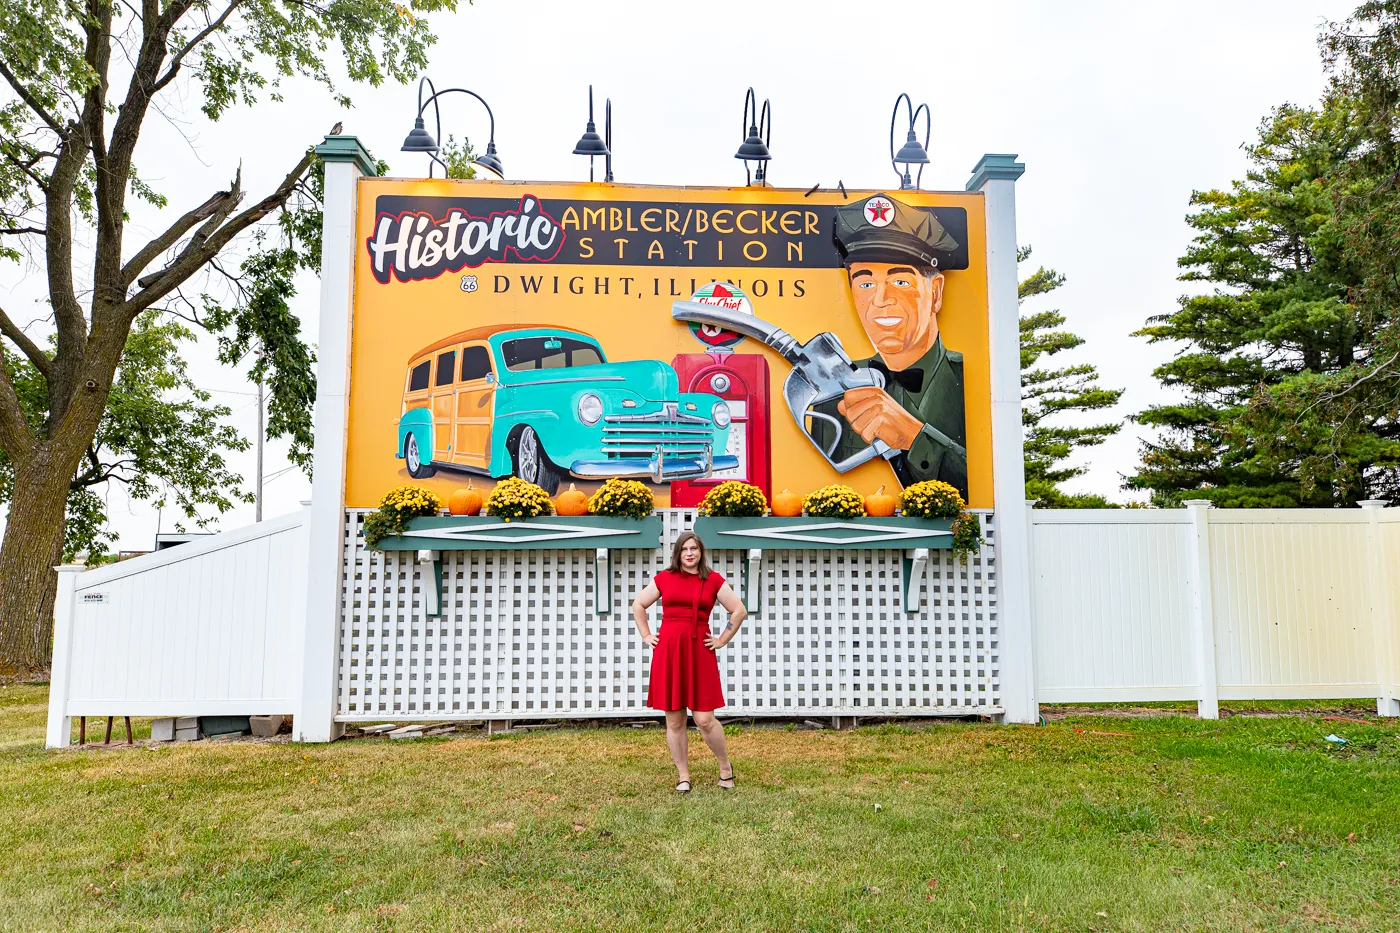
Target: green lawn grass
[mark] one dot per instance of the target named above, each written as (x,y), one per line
(1243,824)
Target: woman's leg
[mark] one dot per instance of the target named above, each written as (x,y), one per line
(679,742)
(713,732)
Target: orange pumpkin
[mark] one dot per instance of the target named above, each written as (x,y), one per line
(880,505)
(787,504)
(571,502)
(465,501)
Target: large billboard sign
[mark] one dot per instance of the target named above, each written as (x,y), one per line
(568,333)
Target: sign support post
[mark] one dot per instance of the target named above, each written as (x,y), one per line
(346,161)
(995,177)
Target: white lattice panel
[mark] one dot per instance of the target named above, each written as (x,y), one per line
(518,637)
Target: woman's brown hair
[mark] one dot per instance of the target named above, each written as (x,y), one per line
(702,569)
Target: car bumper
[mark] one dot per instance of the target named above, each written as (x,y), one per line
(659,468)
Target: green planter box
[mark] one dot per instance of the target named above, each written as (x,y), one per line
(807,533)
(547,533)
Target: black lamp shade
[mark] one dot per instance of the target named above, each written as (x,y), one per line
(753,148)
(590,143)
(912,151)
(490,161)
(419,140)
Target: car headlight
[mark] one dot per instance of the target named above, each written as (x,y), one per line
(720,415)
(590,408)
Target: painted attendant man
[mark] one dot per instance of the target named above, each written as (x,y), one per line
(894,256)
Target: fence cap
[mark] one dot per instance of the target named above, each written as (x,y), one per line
(1373,503)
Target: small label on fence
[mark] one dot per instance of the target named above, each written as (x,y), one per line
(91,598)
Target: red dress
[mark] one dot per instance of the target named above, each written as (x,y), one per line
(684,673)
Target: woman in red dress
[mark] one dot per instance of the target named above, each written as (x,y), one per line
(684,669)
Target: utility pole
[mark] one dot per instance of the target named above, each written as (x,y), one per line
(261,432)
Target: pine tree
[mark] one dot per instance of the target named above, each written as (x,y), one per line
(1279,320)
(1048,393)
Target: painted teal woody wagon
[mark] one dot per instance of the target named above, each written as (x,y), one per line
(543,403)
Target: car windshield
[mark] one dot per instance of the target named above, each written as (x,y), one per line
(529,353)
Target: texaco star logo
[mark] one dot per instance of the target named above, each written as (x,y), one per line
(879,211)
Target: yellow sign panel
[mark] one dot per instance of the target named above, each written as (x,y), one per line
(568,333)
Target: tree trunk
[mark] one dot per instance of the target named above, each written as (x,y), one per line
(33,545)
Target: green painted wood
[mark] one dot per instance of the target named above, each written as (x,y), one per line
(547,533)
(842,534)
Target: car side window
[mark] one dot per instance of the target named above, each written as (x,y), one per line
(446,367)
(418,377)
(476,364)
(527,353)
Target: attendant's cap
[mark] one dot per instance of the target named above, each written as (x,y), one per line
(881,229)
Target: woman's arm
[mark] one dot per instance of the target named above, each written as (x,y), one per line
(640,605)
(737,614)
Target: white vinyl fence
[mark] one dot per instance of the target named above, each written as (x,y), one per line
(1208,605)
(212,627)
(1127,606)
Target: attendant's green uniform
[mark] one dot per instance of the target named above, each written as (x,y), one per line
(883,229)
(940,450)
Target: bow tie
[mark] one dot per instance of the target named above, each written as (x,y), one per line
(911,379)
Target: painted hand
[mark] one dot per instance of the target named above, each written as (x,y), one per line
(873,415)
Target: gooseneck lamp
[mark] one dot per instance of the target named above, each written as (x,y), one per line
(420,140)
(591,144)
(757,135)
(912,152)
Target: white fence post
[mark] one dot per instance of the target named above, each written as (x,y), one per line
(314,719)
(1383,622)
(60,731)
(1202,610)
(995,177)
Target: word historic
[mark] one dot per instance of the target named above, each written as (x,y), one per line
(414,245)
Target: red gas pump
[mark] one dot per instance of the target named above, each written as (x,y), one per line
(741,379)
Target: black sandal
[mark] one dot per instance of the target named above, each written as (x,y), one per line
(678,787)
(730,779)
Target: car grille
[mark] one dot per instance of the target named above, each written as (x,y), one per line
(669,431)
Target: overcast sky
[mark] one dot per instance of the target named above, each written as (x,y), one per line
(1118,110)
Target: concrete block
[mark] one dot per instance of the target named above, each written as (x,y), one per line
(163,730)
(266,726)
(187,722)
(187,735)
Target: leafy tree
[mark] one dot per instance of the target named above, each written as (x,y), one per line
(84,76)
(1048,393)
(1338,423)
(1280,326)
(160,437)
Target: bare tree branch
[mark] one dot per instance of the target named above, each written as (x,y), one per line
(16,231)
(171,236)
(19,338)
(191,260)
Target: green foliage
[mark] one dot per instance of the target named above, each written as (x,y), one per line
(161,437)
(1267,355)
(458,158)
(967,535)
(1047,394)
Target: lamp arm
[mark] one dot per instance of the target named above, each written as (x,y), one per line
(928,131)
(458,90)
(893,114)
(607,133)
(765,124)
(749,99)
